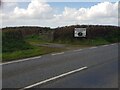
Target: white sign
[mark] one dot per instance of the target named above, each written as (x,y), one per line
(80,32)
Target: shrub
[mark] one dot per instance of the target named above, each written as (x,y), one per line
(12,40)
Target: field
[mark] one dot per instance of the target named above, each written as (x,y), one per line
(20,43)
(17,47)
(8,56)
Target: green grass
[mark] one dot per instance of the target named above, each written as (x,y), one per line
(13,41)
(26,47)
(14,48)
(36,39)
(28,53)
(94,42)
(86,42)
(0,57)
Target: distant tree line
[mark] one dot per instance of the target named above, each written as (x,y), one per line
(67,32)
(93,31)
(26,30)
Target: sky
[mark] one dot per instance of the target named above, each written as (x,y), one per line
(57,14)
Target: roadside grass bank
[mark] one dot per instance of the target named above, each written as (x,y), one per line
(29,48)
(84,42)
(25,42)
(36,51)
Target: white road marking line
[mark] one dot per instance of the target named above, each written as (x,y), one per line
(40,56)
(93,47)
(78,50)
(105,45)
(57,53)
(112,44)
(53,78)
(21,60)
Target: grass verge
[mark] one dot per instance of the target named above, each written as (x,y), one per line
(9,56)
(16,53)
(84,42)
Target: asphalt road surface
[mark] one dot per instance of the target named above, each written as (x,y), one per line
(95,67)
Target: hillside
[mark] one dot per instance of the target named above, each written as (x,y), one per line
(21,42)
(110,34)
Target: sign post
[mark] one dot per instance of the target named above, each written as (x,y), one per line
(80,32)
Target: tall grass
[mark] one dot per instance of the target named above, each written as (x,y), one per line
(12,40)
(36,51)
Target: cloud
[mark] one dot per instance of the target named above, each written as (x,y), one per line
(9,6)
(101,11)
(7,10)
(41,13)
(37,9)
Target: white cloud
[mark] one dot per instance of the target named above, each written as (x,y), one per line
(8,6)
(37,9)
(95,14)
(102,10)
(7,10)
(39,12)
